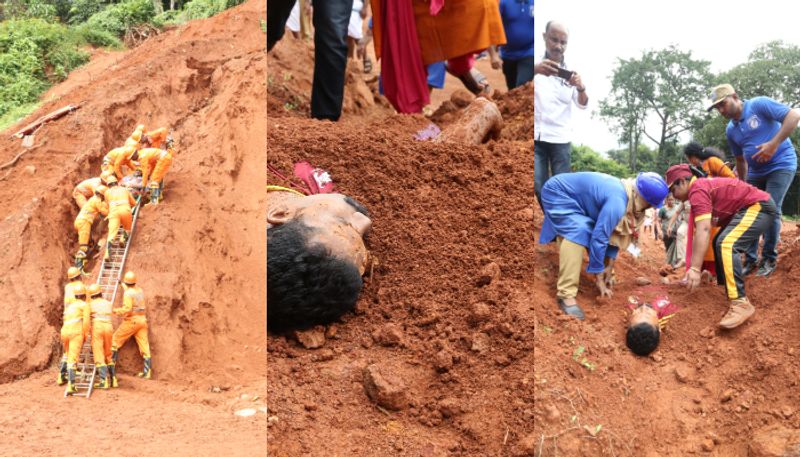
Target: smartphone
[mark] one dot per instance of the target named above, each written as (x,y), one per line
(565,74)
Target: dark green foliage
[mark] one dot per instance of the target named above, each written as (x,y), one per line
(118,18)
(586,159)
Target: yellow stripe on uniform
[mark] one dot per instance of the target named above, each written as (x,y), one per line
(726,248)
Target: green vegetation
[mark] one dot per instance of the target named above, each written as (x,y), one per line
(585,158)
(41,41)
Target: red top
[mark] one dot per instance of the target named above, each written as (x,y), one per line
(721,198)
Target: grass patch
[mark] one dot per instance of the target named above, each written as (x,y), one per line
(15,114)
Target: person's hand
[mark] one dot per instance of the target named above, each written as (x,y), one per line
(361,48)
(546,67)
(693,278)
(497,63)
(602,282)
(363,13)
(765,152)
(576,81)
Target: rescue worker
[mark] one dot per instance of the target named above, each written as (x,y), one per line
(77,321)
(119,157)
(120,201)
(148,159)
(74,277)
(136,137)
(155,138)
(156,181)
(83,223)
(102,332)
(134,323)
(85,189)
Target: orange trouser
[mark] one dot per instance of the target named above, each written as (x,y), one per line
(101,342)
(84,229)
(118,215)
(80,199)
(72,342)
(135,326)
(162,166)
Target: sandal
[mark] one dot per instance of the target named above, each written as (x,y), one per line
(367,64)
(571,310)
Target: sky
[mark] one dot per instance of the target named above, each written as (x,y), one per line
(721,32)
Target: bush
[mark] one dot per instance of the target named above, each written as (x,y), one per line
(99,38)
(117,19)
(82,10)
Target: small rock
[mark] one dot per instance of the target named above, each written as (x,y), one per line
(444,361)
(30,170)
(489,273)
(727,395)
(665,280)
(272,420)
(310,406)
(388,335)
(480,342)
(385,389)
(330,332)
(324,356)
(707,332)
(787,411)
(480,312)
(247,412)
(642,281)
(683,374)
(312,338)
(707,445)
(449,407)
(553,414)
(656,357)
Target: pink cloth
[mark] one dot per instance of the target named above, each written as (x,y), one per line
(402,72)
(436,6)
(461,64)
(318,180)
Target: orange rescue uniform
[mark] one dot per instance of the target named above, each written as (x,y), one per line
(116,158)
(148,160)
(102,330)
(162,166)
(85,219)
(134,323)
(157,137)
(77,321)
(120,203)
(69,294)
(84,190)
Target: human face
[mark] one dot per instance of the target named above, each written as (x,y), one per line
(338,222)
(670,200)
(681,190)
(556,39)
(730,107)
(644,314)
(695,161)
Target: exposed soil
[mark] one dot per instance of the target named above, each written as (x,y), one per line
(704,391)
(199,256)
(446,317)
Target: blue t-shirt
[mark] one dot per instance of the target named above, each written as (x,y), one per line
(584,207)
(761,119)
(518,23)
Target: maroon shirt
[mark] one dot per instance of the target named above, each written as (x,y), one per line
(721,198)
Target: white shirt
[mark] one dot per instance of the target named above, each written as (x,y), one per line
(553,103)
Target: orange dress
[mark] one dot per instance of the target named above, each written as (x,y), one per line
(716,168)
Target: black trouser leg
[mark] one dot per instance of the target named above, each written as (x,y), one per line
(331,18)
(278,12)
(510,72)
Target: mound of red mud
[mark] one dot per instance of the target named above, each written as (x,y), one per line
(703,392)
(444,324)
(200,256)
(291,72)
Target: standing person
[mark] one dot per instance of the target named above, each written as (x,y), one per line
(120,201)
(743,212)
(554,99)
(330,18)
(83,223)
(102,330)
(758,135)
(599,213)
(134,324)
(516,56)
(665,214)
(77,321)
(75,281)
(355,28)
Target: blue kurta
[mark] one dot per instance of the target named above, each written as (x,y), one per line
(584,208)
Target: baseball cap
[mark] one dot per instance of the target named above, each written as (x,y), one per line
(719,93)
(677,172)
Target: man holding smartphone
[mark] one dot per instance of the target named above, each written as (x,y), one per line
(557,90)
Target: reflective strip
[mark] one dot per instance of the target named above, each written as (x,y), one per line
(141,310)
(73,321)
(105,317)
(125,203)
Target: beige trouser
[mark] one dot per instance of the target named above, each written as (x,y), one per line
(570,260)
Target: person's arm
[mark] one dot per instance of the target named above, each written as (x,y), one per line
(702,231)
(102,208)
(612,212)
(719,169)
(497,63)
(546,67)
(767,150)
(576,81)
(741,168)
(127,306)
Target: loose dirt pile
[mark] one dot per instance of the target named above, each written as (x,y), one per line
(199,256)
(441,335)
(703,392)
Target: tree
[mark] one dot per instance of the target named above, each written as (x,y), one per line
(585,158)
(664,86)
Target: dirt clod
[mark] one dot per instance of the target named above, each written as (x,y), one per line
(388,335)
(313,338)
(384,388)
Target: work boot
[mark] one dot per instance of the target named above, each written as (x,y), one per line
(112,373)
(146,373)
(62,372)
(740,310)
(571,310)
(71,381)
(750,267)
(767,267)
(114,356)
(155,196)
(80,260)
(103,383)
(124,236)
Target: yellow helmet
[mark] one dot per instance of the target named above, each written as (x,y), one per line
(111,179)
(105,175)
(130,278)
(93,289)
(73,272)
(79,290)
(101,189)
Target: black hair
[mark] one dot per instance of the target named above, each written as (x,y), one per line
(306,284)
(695,149)
(642,338)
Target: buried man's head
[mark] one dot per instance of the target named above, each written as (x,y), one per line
(643,333)
(316,256)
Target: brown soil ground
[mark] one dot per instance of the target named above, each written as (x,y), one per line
(452,234)
(199,256)
(703,392)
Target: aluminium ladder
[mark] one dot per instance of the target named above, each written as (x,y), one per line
(108,279)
